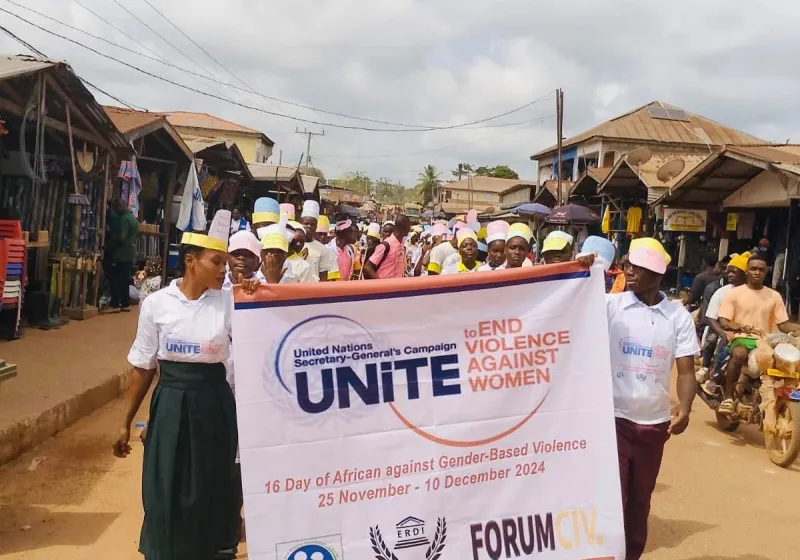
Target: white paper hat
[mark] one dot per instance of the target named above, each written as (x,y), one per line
(217,236)
(310,209)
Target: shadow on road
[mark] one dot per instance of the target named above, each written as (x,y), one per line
(26,528)
(670,533)
(744,436)
(661,487)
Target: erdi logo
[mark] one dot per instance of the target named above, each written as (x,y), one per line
(411,533)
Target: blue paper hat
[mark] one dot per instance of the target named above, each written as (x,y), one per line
(601,247)
(266,210)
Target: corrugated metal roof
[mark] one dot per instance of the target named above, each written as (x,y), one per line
(73,88)
(486,184)
(769,154)
(267,172)
(127,120)
(309,183)
(185,119)
(638,125)
(12,66)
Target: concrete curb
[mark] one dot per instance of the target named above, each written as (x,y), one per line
(24,435)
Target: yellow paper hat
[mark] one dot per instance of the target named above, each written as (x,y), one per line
(648,253)
(217,236)
(740,261)
(464,234)
(323,224)
(519,230)
(556,241)
(374,230)
(276,236)
(482,233)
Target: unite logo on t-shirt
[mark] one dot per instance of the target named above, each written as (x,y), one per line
(650,356)
(177,346)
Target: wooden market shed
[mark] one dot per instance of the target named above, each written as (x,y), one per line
(59,149)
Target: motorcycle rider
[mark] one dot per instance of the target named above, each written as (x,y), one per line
(747,312)
(715,338)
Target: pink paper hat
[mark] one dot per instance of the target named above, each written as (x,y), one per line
(496,231)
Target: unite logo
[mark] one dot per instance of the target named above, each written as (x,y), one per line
(333,365)
(177,346)
(650,356)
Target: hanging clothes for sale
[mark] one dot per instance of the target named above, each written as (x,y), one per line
(746,225)
(131,184)
(606,223)
(634,219)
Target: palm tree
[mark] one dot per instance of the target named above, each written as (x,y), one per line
(463,169)
(428,183)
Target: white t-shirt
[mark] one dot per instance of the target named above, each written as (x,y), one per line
(321,259)
(300,269)
(716,301)
(439,254)
(172,327)
(644,343)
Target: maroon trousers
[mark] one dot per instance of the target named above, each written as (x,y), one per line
(640,449)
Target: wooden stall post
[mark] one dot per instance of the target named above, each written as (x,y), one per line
(167,226)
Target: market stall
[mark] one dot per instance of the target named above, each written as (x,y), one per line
(57,160)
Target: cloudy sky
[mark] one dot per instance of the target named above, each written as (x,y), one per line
(435,63)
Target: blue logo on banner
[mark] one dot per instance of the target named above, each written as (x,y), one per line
(311,551)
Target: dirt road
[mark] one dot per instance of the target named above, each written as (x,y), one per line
(718,498)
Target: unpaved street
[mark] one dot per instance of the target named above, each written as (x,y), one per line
(718,498)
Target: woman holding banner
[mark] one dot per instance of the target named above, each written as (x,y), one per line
(189,474)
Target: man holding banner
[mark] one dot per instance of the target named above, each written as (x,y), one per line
(648,333)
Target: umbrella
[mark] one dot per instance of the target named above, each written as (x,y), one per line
(346,209)
(532,208)
(427,214)
(572,214)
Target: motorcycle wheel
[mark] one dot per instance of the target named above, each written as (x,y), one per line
(784,450)
(726,423)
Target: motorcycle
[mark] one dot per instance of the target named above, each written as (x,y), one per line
(768,398)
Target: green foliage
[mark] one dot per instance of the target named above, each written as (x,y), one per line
(313,171)
(500,171)
(428,184)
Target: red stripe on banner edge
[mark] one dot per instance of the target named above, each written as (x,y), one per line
(396,286)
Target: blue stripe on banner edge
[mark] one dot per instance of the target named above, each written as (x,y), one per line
(243,305)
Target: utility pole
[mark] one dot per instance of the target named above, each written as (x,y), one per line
(308,135)
(559,125)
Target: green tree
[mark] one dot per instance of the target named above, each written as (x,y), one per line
(504,172)
(356,181)
(315,172)
(500,171)
(428,184)
(463,169)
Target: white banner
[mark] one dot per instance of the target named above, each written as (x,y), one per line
(454,417)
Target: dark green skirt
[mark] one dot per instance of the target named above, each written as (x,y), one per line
(189,476)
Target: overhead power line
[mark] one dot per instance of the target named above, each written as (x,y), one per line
(24,43)
(259,109)
(157,34)
(431,151)
(195,74)
(98,16)
(209,55)
(42,55)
